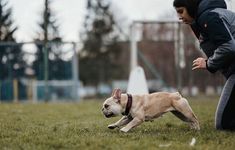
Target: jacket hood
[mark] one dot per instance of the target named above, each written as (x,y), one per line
(205,5)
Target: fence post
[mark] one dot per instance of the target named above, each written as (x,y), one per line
(46,73)
(0,91)
(30,90)
(15,90)
(34,90)
(75,73)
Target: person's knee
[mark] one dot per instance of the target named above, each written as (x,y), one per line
(218,126)
(229,125)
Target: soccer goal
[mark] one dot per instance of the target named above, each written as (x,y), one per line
(159,48)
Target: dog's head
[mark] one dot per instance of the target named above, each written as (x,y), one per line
(111,106)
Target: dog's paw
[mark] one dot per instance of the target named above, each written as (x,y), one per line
(112,126)
(195,126)
(124,130)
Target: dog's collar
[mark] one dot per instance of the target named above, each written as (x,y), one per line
(128,105)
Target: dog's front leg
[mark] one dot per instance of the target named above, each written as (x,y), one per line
(123,121)
(135,122)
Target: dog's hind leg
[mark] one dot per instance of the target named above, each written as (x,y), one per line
(185,113)
(180,115)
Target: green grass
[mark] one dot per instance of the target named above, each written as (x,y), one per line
(82,126)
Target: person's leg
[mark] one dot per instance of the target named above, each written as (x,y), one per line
(225,113)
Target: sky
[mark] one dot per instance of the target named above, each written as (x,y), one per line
(70,15)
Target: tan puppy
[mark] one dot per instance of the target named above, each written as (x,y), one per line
(139,108)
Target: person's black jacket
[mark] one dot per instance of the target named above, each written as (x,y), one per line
(214,26)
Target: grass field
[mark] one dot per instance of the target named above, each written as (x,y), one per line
(82,126)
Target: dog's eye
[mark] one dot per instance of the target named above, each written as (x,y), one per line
(106,106)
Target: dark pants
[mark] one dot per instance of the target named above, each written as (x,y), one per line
(225,113)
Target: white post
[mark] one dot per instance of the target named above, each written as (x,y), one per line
(133,63)
(177,55)
(137,83)
(181,48)
(75,73)
(176,43)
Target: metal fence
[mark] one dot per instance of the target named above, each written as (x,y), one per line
(35,71)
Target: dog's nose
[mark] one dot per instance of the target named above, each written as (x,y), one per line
(102,109)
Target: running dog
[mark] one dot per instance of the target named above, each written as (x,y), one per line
(139,108)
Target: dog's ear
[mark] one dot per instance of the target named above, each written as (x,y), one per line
(113,92)
(117,94)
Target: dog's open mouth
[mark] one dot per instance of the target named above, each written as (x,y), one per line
(109,115)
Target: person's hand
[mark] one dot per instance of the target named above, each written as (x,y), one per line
(199,63)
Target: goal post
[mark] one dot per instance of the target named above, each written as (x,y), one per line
(178,39)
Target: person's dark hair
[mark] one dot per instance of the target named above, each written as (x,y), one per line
(190,5)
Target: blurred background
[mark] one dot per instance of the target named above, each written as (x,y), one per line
(70,50)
